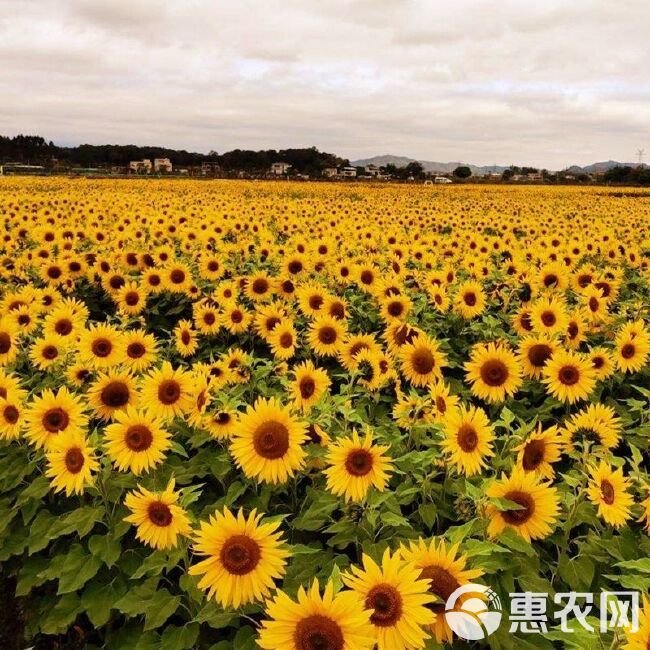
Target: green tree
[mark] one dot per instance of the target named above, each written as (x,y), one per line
(463,171)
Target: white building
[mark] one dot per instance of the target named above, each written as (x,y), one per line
(441,180)
(280,168)
(140,166)
(162,165)
(330,172)
(372,170)
(349,172)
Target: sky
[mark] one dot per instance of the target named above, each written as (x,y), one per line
(551,83)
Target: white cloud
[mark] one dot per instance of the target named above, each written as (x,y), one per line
(481,81)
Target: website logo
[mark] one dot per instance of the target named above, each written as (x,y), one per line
(473,612)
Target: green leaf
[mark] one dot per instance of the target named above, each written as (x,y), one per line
(179,638)
(78,567)
(510,539)
(642,565)
(159,608)
(106,548)
(62,615)
(503,505)
(98,600)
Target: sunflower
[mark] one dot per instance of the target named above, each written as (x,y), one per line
(101,346)
(470,300)
(10,386)
(354,344)
(8,342)
(111,392)
(51,414)
(494,372)
(631,350)
(399,334)
(79,374)
(259,287)
(221,424)
(468,438)
(595,422)
(336,307)
(639,639)
(333,621)
(71,462)
(267,317)
(185,338)
(538,506)
(539,451)
(575,331)
(355,465)
(167,391)
(243,557)
(11,417)
(131,299)
(442,402)
(309,385)
(602,361)
(137,441)
(267,442)
(395,308)
(521,321)
(283,340)
(569,377)
(397,598)
(549,316)
(422,361)
(446,570)
(534,352)
(594,305)
(326,335)
(235,318)
(608,490)
(140,350)
(177,278)
(46,352)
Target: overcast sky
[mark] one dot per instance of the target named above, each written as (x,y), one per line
(547,83)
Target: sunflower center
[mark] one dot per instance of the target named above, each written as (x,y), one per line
(271,440)
(533,455)
(185,337)
(607,492)
(307,387)
(337,310)
(539,354)
(135,350)
(593,304)
(395,308)
(63,327)
(138,437)
(240,555)
(494,372)
(50,352)
(404,334)
(260,286)
(10,414)
(159,513)
(548,318)
(525,322)
(423,361)
(116,394)
(318,632)
(295,266)
(359,462)
(519,517)
(569,375)
(286,340)
(222,418)
(315,302)
(386,602)
(55,420)
(327,335)
(209,318)
(132,299)
(169,391)
(467,438)
(550,280)
(74,460)
(441,405)
(177,276)
(628,350)
(5,343)
(470,299)
(598,362)
(236,316)
(573,330)
(442,584)
(367,277)
(101,347)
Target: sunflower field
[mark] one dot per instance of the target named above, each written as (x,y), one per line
(297,416)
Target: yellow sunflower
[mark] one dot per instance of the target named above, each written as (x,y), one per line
(8,342)
(608,490)
(639,639)
(494,372)
(538,506)
(539,451)
(309,385)
(355,465)
(12,417)
(326,336)
(158,519)
(283,340)
(71,462)
(167,391)
(267,442)
(442,402)
(136,441)
(422,361)
(333,621)
(470,300)
(569,376)
(140,350)
(468,438)
(111,392)
(534,352)
(243,557)
(101,346)
(397,598)
(594,423)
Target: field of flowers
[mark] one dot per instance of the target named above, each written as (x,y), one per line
(300,416)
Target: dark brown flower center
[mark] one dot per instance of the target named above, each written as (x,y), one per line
(569,375)
(442,584)
(138,437)
(10,414)
(286,340)
(327,335)
(467,438)
(177,276)
(74,460)
(115,394)
(470,299)
(169,391)
(271,440)
(359,462)
(63,326)
(395,308)
(55,420)
(519,517)
(260,286)
(318,632)
(5,343)
(50,352)
(159,514)
(533,455)
(494,372)
(548,318)
(607,492)
(386,602)
(539,354)
(240,555)
(307,387)
(101,347)
(423,361)
(628,350)
(132,298)
(135,350)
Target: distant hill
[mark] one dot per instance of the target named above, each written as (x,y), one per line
(478,170)
(429,165)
